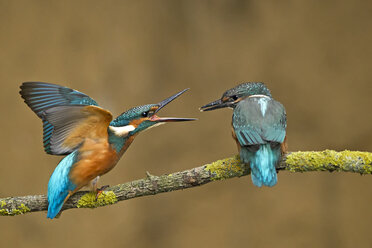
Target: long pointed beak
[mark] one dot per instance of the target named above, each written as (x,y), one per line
(213,105)
(170,119)
(163,103)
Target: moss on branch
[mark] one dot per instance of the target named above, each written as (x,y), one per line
(328,160)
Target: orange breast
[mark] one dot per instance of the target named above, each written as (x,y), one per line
(96,157)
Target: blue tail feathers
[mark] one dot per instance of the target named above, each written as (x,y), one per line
(262,163)
(60,185)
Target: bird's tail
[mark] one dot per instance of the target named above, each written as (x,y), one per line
(60,185)
(55,202)
(262,163)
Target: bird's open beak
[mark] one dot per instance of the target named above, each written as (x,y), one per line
(214,105)
(156,118)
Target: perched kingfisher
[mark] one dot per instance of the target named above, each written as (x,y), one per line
(74,125)
(258,127)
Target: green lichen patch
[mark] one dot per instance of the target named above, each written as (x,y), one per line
(226,168)
(21,209)
(2,204)
(89,199)
(351,161)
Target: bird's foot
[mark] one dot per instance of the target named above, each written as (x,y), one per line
(100,190)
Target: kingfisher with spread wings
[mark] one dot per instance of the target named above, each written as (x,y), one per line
(74,125)
(258,126)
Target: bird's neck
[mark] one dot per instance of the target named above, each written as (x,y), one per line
(259,95)
(120,142)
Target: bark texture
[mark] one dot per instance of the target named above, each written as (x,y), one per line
(328,160)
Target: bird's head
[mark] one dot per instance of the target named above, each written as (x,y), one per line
(143,117)
(234,95)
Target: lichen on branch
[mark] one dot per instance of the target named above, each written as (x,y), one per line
(328,160)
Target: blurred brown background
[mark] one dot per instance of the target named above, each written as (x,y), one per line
(315,56)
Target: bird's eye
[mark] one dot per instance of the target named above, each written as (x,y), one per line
(234,97)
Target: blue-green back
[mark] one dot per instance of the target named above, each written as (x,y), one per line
(258,120)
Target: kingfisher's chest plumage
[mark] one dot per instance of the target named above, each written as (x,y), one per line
(98,156)
(95,157)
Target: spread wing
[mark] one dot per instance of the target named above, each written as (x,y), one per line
(41,97)
(257,120)
(73,124)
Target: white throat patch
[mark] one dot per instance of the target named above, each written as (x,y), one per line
(122,131)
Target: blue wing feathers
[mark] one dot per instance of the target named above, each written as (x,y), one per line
(249,137)
(41,96)
(47,134)
(273,134)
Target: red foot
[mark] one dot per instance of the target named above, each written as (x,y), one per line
(100,190)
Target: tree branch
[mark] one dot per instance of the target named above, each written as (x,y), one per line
(328,160)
